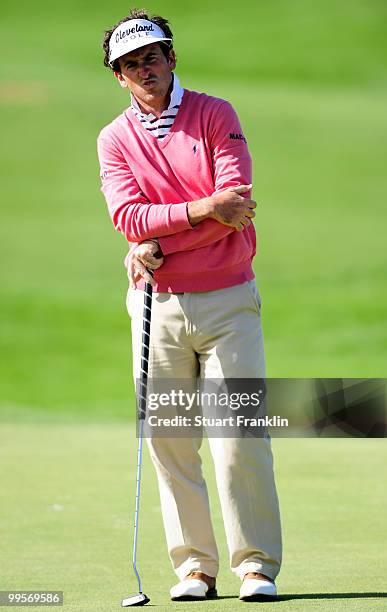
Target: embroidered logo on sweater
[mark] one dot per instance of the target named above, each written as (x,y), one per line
(194,149)
(233,136)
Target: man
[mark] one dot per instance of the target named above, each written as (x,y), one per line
(176,175)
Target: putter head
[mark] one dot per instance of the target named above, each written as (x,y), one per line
(135,600)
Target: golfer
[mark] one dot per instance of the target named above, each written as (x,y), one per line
(176,175)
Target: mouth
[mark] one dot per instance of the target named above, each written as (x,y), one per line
(149,82)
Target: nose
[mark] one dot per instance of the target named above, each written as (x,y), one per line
(143,70)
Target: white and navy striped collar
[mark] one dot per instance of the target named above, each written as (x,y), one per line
(176,97)
(159,127)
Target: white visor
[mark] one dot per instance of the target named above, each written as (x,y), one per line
(132,35)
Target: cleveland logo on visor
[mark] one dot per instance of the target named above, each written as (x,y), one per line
(133,31)
(132,35)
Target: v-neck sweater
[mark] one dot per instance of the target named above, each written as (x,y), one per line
(147,183)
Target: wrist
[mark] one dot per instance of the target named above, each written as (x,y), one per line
(200,210)
(158,253)
(209,206)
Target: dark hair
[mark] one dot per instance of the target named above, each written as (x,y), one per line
(137,14)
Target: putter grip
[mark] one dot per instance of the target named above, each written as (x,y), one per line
(146,327)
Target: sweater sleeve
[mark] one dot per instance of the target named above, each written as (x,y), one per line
(132,214)
(232,167)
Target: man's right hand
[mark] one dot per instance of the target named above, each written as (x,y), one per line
(230,208)
(147,255)
(227,207)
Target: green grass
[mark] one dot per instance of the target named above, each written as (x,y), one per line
(66,519)
(309,84)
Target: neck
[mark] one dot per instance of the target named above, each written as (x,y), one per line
(156,104)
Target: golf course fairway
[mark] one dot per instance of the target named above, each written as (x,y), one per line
(308,81)
(67,500)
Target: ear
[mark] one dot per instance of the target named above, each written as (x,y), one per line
(172,59)
(120,79)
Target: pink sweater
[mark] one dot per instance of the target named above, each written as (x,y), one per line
(147,183)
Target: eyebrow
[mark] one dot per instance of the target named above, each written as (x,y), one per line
(147,56)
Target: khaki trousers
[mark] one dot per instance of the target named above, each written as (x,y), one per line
(214,334)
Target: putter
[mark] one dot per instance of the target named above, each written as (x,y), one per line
(141,599)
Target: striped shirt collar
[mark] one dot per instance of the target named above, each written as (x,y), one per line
(176,98)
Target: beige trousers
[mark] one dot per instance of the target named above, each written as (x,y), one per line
(214,334)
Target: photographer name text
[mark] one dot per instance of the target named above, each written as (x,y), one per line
(229,421)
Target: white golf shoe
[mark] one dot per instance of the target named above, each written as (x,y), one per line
(257,589)
(192,588)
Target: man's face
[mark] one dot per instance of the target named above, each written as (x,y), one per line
(147,72)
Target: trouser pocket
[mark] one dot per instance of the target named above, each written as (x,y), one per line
(253,292)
